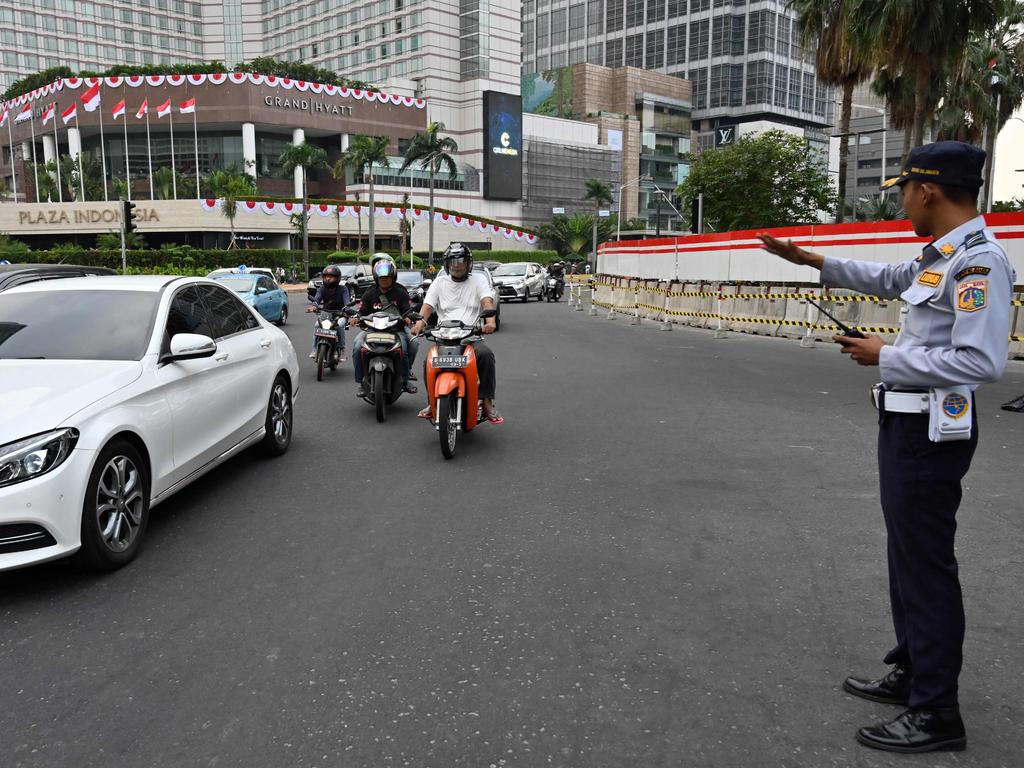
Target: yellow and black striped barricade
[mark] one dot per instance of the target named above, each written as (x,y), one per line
(726,308)
(651,299)
(751,310)
(603,292)
(871,314)
(1017,327)
(706,314)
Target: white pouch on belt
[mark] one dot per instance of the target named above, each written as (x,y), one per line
(949,414)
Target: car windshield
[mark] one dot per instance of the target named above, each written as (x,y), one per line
(76,325)
(238,284)
(407,278)
(347,270)
(510,270)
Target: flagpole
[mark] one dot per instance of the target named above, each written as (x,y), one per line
(127,166)
(81,171)
(35,169)
(56,152)
(10,139)
(149,152)
(195,138)
(103,145)
(174,172)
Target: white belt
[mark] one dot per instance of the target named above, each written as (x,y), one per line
(903,402)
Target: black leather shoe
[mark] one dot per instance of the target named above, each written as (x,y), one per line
(894,688)
(918,730)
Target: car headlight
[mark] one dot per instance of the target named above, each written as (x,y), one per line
(36,455)
(519,283)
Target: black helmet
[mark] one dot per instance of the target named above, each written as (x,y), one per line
(331,271)
(383,266)
(458,252)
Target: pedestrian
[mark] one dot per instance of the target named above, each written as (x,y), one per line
(280,274)
(954,337)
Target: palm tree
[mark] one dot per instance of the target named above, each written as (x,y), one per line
(601,194)
(433,153)
(163,183)
(362,154)
(307,157)
(919,38)
(569,234)
(231,187)
(841,61)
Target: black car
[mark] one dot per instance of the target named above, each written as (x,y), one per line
(19,274)
(415,284)
(357,277)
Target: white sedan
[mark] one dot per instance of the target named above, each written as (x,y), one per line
(118,392)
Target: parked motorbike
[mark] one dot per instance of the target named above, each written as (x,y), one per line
(382,356)
(553,288)
(452,379)
(326,333)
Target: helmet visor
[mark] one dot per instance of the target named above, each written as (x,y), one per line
(383,269)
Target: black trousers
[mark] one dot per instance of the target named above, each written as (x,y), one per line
(485,368)
(921,491)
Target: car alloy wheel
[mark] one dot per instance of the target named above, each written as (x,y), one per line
(279,419)
(120,504)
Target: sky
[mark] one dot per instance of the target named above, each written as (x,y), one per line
(1009,184)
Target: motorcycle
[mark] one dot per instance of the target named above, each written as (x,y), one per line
(452,380)
(383,359)
(553,288)
(326,333)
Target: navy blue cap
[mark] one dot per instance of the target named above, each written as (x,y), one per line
(953,163)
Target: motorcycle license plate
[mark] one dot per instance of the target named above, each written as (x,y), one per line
(451,361)
(322,334)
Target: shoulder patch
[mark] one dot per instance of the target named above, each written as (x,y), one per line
(930,278)
(975,238)
(971,271)
(972,295)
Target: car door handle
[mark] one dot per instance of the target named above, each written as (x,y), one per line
(221,357)
(265,343)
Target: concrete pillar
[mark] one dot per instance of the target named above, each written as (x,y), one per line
(74,142)
(345,141)
(49,150)
(249,149)
(298,139)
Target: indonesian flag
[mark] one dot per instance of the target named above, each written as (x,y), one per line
(143,109)
(24,115)
(69,114)
(49,113)
(91,98)
(188,107)
(118,110)
(164,109)
(3,117)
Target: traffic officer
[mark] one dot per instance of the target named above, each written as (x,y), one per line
(954,337)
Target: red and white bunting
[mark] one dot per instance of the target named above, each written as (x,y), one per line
(187,107)
(164,109)
(117,110)
(143,109)
(91,98)
(49,112)
(70,113)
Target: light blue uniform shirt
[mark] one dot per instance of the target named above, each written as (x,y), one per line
(958,292)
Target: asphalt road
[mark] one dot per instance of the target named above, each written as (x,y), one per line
(669,555)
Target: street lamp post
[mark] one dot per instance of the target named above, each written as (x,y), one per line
(618,223)
(668,200)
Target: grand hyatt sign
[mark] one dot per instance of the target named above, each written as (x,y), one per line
(307,105)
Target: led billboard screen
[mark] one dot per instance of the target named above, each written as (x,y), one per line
(503,146)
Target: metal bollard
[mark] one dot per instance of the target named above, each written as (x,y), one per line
(593,307)
(807,342)
(579,297)
(666,322)
(720,332)
(636,309)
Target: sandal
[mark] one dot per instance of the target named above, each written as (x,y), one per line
(426,413)
(493,417)
(410,389)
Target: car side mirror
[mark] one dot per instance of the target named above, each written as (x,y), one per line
(488,313)
(190,346)
(260,290)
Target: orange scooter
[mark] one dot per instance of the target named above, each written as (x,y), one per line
(452,380)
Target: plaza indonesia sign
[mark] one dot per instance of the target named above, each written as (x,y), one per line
(313,106)
(93,216)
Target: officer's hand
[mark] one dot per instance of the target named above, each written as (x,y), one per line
(791,252)
(489,326)
(863,351)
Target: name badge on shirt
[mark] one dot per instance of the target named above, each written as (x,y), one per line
(929,278)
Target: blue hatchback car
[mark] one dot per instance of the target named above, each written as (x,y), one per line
(259,292)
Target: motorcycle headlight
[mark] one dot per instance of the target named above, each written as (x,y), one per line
(449,334)
(36,455)
(326,324)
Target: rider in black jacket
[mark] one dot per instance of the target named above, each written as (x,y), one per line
(333,294)
(385,292)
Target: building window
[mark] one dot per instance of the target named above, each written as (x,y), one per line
(719,87)
(595,54)
(761,32)
(655,10)
(699,5)
(635,51)
(736,86)
(759,82)
(675,45)
(577,23)
(542,31)
(699,78)
(595,20)
(577,55)
(794,90)
(613,53)
(808,105)
(721,36)
(698,40)
(634,13)
(655,49)
(739,33)
(558,27)
(676,8)
(781,85)
(615,15)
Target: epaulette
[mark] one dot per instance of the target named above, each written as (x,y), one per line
(975,238)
